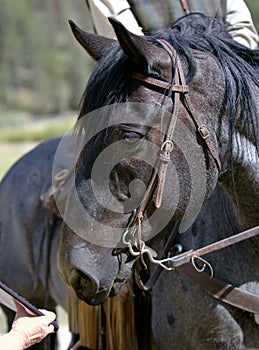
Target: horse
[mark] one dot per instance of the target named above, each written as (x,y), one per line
(208,219)
(164,120)
(45,152)
(28,240)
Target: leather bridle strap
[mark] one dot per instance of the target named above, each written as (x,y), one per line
(205,134)
(201,127)
(167,146)
(178,87)
(220,290)
(160,83)
(182,87)
(188,256)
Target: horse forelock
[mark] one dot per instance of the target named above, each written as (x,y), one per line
(108,83)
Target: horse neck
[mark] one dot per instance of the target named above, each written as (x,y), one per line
(241,181)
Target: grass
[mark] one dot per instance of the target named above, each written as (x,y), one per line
(11,152)
(12,117)
(17,138)
(37,130)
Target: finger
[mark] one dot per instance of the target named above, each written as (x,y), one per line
(48,315)
(51,329)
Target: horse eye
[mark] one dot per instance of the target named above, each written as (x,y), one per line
(131,137)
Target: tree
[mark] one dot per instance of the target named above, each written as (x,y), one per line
(41,67)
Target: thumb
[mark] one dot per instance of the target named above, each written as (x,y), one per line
(21,311)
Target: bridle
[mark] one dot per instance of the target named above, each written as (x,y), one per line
(177,90)
(186,262)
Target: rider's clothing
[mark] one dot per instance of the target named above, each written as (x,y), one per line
(144,16)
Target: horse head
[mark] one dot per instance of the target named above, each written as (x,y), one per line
(150,153)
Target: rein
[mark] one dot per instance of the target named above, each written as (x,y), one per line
(186,263)
(191,255)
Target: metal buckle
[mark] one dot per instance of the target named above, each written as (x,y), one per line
(204,132)
(167,145)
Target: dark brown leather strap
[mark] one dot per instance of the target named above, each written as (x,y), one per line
(9,295)
(202,129)
(160,84)
(180,86)
(221,290)
(190,254)
(216,288)
(205,134)
(167,146)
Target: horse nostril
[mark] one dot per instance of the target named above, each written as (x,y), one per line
(83,284)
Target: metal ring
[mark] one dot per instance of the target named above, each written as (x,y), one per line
(61,175)
(204,262)
(168,142)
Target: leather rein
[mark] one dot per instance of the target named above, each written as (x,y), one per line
(186,263)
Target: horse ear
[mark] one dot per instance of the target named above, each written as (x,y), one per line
(96,45)
(136,47)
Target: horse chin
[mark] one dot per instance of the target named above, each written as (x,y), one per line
(100,297)
(94,291)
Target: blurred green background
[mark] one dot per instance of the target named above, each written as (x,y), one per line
(41,68)
(43,71)
(254,8)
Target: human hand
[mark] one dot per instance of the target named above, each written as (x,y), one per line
(31,329)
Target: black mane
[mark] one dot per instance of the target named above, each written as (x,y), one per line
(108,83)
